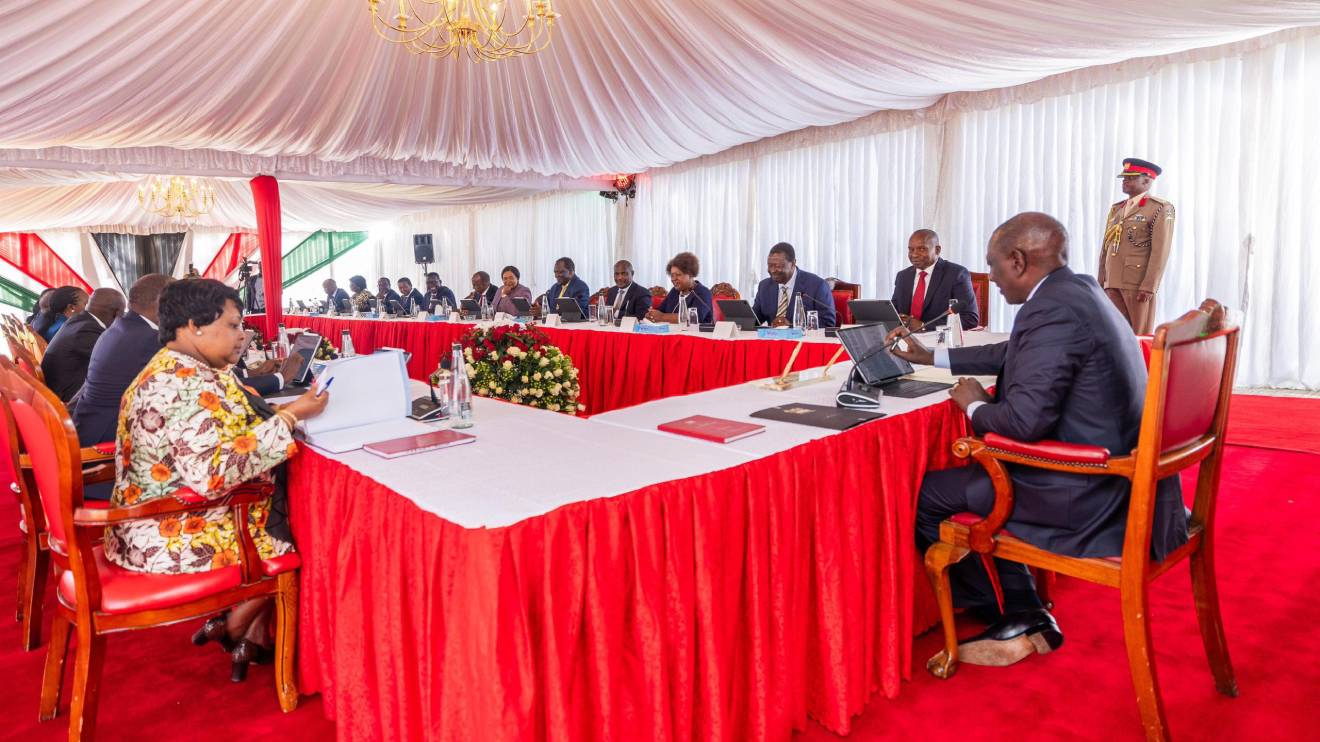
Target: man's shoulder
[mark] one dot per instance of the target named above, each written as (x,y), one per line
(1159,201)
(954,269)
(907,272)
(809,278)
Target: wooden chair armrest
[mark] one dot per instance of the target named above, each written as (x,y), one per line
(90,455)
(244,494)
(98,474)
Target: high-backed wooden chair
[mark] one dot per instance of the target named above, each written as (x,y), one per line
(722,290)
(98,598)
(1192,364)
(981,290)
(23,357)
(843,292)
(658,295)
(34,558)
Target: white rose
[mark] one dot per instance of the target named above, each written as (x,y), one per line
(524,378)
(556,388)
(516,400)
(553,408)
(472,370)
(508,364)
(572,374)
(492,385)
(538,393)
(544,362)
(559,372)
(499,390)
(582,408)
(536,376)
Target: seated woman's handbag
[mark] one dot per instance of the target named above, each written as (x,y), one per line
(277,524)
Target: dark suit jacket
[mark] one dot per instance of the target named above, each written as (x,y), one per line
(413,300)
(704,304)
(66,359)
(262,384)
(341,301)
(390,297)
(119,356)
(946,281)
(819,298)
(492,293)
(576,289)
(636,302)
(441,293)
(1071,371)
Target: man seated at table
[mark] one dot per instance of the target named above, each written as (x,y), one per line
(437,294)
(625,297)
(930,283)
(481,286)
(568,286)
(410,298)
(66,359)
(385,295)
(1068,372)
(336,299)
(777,296)
(121,352)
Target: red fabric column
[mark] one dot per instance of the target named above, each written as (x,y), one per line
(266,198)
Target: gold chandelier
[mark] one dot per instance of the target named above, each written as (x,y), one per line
(485,31)
(176,197)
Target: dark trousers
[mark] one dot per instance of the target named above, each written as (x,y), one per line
(968,489)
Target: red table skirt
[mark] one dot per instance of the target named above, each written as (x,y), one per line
(615,369)
(727,606)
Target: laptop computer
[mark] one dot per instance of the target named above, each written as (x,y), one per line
(569,311)
(739,312)
(469,306)
(875,312)
(523,306)
(880,368)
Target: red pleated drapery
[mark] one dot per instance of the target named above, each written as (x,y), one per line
(616,369)
(728,606)
(236,249)
(30,254)
(266,199)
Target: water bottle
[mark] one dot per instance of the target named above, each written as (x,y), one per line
(282,344)
(483,309)
(460,390)
(545,306)
(799,314)
(682,313)
(346,345)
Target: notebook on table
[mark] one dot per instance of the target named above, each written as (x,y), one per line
(369,402)
(408,445)
(819,416)
(711,428)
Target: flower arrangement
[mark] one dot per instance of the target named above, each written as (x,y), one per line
(518,364)
(325,351)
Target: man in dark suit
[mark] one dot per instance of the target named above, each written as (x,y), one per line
(65,362)
(1070,371)
(930,283)
(336,299)
(410,298)
(385,295)
(120,354)
(568,286)
(481,286)
(777,296)
(437,293)
(627,298)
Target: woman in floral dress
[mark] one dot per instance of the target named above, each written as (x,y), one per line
(185,423)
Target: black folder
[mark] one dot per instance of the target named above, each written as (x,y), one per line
(819,416)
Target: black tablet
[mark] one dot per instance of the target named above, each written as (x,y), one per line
(738,311)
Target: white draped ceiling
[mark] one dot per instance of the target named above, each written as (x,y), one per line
(305,91)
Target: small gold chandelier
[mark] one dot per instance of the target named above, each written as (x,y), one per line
(176,197)
(486,31)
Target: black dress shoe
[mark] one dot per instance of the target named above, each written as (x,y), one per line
(215,630)
(247,652)
(1014,638)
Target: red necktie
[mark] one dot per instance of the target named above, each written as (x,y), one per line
(919,296)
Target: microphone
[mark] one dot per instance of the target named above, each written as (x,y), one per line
(955,306)
(817,302)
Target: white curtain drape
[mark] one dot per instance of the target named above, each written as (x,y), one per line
(1233,127)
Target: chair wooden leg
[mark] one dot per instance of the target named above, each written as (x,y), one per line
(24,580)
(286,640)
(52,680)
(1141,662)
(38,570)
(86,684)
(1044,586)
(1206,593)
(939,557)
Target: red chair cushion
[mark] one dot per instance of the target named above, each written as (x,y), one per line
(105,449)
(1064,453)
(1146,341)
(842,312)
(656,301)
(126,591)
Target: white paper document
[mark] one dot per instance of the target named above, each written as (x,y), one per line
(369,402)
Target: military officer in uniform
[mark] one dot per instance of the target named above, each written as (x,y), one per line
(1138,234)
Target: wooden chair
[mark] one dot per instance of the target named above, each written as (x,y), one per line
(34,558)
(25,360)
(722,290)
(981,290)
(97,597)
(843,292)
(658,295)
(1187,396)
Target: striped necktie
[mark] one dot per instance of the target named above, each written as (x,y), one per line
(782,309)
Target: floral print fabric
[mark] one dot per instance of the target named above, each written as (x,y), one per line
(185,424)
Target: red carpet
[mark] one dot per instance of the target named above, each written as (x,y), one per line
(1283,423)
(159,686)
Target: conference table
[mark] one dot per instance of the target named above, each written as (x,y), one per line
(616,367)
(573,578)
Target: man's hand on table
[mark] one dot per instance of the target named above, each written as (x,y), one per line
(967,391)
(914,352)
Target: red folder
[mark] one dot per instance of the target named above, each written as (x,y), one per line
(711,428)
(397,447)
